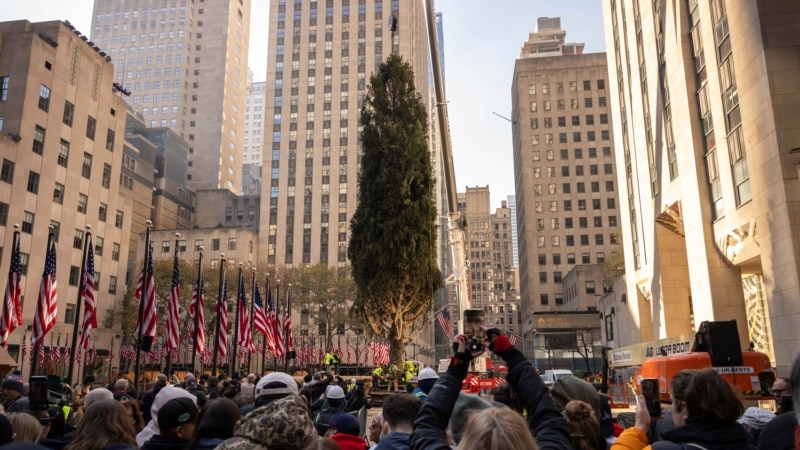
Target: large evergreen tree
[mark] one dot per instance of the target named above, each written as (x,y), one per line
(393,243)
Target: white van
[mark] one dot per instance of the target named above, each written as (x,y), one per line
(550,376)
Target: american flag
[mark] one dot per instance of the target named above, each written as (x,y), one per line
(259,318)
(173,341)
(221,309)
(55,352)
(150,313)
(77,356)
(24,348)
(47,306)
(312,354)
(512,338)
(244,338)
(444,321)
(12,308)
(205,356)
(287,326)
(383,353)
(41,355)
(111,354)
(198,298)
(67,351)
(87,292)
(348,347)
(270,316)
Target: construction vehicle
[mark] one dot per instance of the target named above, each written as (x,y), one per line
(716,346)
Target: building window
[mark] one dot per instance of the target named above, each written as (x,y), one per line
(44,98)
(570,258)
(231,243)
(115,251)
(590,287)
(69,113)
(585,258)
(86,170)
(102,212)
(544,300)
(110,136)
(91,126)
(38,140)
(33,182)
(556,277)
(63,153)
(98,245)
(118,221)
(74,276)
(27,222)
(4,88)
(77,239)
(69,314)
(197,244)
(112,284)
(83,201)
(106,175)
(3,214)
(542,259)
(7,172)
(58,194)
(543,277)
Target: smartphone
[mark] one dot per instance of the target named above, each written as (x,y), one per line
(39,393)
(473,319)
(652,397)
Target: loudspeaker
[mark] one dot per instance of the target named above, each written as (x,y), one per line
(721,341)
(147,343)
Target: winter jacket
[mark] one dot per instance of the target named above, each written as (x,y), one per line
(164,395)
(147,401)
(349,442)
(547,426)
(162,442)
(394,441)
(777,433)
(711,435)
(207,443)
(324,417)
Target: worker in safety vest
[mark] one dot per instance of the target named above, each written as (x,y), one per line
(377,375)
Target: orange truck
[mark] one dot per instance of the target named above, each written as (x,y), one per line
(752,379)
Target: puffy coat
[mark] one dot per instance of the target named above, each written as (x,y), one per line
(710,435)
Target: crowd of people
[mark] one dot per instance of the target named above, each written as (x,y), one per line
(325,411)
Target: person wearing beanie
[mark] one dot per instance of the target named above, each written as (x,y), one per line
(283,424)
(425,380)
(191,387)
(176,423)
(344,430)
(543,419)
(333,402)
(14,399)
(754,419)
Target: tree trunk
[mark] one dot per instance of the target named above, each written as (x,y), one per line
(397,349)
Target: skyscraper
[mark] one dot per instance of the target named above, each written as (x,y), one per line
(253,155)
(566,191)
(185,64)
(320,60)
(706,95)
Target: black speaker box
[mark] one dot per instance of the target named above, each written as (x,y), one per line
(147,343)
(721,340)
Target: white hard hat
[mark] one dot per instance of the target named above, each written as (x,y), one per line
(427,373)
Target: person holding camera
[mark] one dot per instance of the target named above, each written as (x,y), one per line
(498,427)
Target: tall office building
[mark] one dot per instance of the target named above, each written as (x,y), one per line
(253,155)
(706,95)
(62,129)
(185,64)
(566,191)
(512,205)
(320,59)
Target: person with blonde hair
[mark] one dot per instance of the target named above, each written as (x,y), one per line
(584,427)
(26,428)
(104,423)
(497,428)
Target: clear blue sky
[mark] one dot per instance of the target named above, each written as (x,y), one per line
(482,40)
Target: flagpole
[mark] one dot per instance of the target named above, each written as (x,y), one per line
(111,350)
(168,370)
(264,338)
(252,317)
(236,325)
(145,283)
(277,319)
(86,243)
(216,327)
(66,357)
(286,328)
(196,318)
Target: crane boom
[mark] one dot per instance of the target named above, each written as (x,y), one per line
(456,226)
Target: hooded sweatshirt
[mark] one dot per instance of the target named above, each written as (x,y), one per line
(284,424)
(164,395)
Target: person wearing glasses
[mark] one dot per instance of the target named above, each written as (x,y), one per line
(374,430)
(783,395)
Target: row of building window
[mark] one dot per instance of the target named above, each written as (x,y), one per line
(564,153)
(561,121)
(577,136)
(574,103)
(608,169)
(571,85)
(215,245)
(566,188)
(583,222)
(555,241)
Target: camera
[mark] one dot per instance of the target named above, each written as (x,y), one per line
(475,344)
